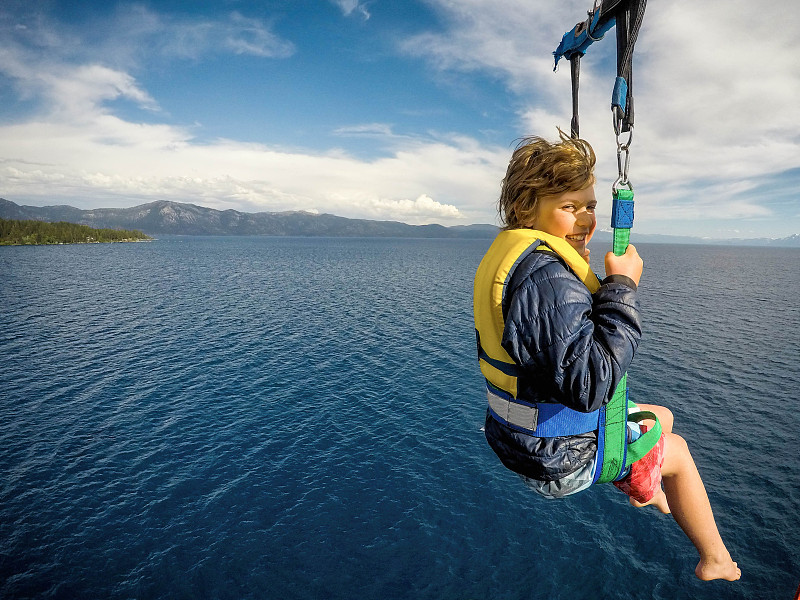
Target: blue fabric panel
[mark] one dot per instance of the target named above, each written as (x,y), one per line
(620,95)
(622,214)
(572,44)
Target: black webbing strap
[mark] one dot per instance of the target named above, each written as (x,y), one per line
(628,15)
(575,71)
(629,21)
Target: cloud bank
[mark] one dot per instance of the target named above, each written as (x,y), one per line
(717,119)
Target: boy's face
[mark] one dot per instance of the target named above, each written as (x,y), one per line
(570,216)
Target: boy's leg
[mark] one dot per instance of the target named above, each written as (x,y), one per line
(692,511)
(659,500)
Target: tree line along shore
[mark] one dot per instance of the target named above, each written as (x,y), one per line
(25,233)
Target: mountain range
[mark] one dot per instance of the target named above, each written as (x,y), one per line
(163,217)
(177,218)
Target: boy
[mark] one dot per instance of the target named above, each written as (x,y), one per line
(549,346)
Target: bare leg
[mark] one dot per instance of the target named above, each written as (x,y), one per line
(659,500)
(692,511)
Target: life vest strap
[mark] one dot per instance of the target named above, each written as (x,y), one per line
(541,419)
(507,368)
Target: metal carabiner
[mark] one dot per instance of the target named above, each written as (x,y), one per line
(618,182)
(618,132)
(622,165)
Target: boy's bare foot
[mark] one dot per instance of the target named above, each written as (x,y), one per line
(718,569)
(659,501)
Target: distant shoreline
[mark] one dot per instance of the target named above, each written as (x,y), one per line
(15,232)
(7,244)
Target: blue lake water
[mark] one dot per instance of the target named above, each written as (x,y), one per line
(256,417)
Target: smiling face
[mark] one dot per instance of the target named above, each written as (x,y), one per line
(570,216)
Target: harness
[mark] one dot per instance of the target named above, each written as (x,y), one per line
(541,419)
(627,15)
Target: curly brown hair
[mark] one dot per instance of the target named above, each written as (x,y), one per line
(538,169)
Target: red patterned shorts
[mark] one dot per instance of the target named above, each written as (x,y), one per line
(644,480)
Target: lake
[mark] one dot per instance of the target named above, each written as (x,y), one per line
(299,418)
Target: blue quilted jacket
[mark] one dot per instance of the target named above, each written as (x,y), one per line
(574,347)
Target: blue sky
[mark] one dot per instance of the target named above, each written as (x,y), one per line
(402,110)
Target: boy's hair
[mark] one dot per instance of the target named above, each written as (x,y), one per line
(538,169)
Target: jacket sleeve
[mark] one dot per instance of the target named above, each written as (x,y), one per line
(575,347)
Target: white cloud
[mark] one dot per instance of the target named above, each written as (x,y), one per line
(73,91)
(515,42)
(108,161)
(382,130)
(87,88)
(421,210)
(251,36)
(349,7)
(423,206)
(716,87)
(192,37)
(135,31)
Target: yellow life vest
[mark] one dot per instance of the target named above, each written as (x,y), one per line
(491,279)
(501,372)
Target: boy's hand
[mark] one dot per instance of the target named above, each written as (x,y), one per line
(629,264)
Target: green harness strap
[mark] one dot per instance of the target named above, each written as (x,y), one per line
(617,454)
(615,435)
(638,449)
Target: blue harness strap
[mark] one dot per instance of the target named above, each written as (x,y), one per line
(539,418)
(556,419)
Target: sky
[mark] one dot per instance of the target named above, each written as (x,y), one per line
(400,110)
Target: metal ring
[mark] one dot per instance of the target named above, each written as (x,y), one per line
(590,36)
(589,28)
(620,182)
(591,14)
(627,144)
